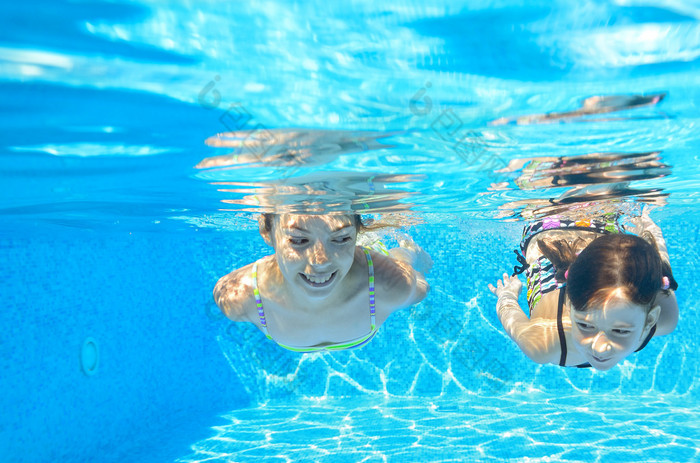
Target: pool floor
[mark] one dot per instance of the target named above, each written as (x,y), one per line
(531,427)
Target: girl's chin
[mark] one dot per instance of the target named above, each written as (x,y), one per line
(602,364)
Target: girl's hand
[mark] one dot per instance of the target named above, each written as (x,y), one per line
(510,285)
(408,251)
(645,228)
(642,223)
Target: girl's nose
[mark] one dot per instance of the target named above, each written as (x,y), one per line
(318,255)
(601,343)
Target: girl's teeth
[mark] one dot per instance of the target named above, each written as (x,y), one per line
(319,279)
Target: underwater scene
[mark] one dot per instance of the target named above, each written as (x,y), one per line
(436,231)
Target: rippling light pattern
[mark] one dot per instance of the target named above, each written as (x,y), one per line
(94,149)
(534,428)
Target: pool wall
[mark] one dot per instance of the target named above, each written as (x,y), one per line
(143,299)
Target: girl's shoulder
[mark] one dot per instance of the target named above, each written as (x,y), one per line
(389,272)
(544,317)
(546,308)
(234,293)
(539,340)
(397,284)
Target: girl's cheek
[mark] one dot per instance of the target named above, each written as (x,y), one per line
(580,339)
(290,255)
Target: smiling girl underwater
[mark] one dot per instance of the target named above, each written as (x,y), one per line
(319,291)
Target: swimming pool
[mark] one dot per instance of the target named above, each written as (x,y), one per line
(111,240)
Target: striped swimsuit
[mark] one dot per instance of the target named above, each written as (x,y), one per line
(540,274)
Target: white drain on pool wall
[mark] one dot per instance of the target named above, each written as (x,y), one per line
(90,356)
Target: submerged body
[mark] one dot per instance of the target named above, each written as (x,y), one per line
(602,331)
(320,291)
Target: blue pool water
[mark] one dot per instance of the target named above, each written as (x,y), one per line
(111,240)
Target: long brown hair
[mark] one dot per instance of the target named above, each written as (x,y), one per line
(609,262)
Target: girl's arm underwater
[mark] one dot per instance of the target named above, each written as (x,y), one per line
(232,294)
(412,254)
(668,319)
(534,337)
(408,264)
(646,228)
(400,271)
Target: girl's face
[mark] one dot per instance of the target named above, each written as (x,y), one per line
(314,252)
(606,335)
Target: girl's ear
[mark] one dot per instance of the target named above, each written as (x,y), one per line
(264,232)
(652,317)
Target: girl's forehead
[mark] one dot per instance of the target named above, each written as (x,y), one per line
(306,222)
(614,310)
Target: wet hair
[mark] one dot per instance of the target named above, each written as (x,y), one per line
(610,262)
(268,219)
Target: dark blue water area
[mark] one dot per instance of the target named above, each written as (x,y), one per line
(87,251)
(59,23)
(507,43)
(77,189)
(140,117)
(146,301)
(471,38)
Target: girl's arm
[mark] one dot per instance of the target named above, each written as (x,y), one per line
(412,254)
(231,293)
(417,263)
(644,225)
(398,285)
(534,337)
(668,318)
(654,230)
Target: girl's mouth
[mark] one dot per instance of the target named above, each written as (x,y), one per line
(318,281)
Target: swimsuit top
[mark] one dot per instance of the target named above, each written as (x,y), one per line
(562,335)
(353,344)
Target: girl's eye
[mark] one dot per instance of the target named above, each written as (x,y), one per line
(621,332)
(342,240)
(298,241)
(584,326)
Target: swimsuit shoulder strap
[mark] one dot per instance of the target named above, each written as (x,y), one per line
(560,326)
(648,338)
(258,300)
(370,266)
